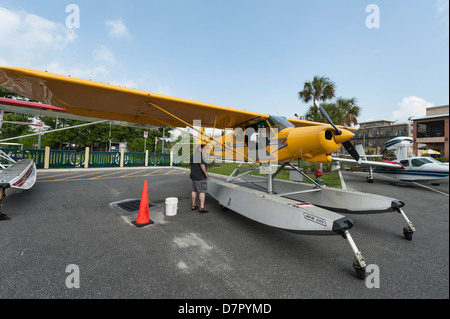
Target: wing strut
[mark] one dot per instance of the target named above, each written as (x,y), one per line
(211,139)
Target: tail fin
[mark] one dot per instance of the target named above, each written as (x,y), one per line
(360,150)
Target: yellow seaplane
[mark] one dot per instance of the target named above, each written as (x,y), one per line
(280,142)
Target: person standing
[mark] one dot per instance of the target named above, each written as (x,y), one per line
(199,177)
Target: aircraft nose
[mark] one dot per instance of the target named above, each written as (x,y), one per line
(345,136)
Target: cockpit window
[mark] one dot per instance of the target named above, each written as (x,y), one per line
(417,162)
(432,160)
(279,122)
(405,163)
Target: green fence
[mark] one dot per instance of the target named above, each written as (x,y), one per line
(64,159)
(73,159)
(36,155)
(102,159)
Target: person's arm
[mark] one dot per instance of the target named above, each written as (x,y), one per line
(203,167)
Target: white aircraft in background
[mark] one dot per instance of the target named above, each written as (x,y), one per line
(405,168)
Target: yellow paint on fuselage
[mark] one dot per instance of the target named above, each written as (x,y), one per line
(311,143)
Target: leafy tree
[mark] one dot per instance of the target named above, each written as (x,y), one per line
(351,110)
(7,94)
(320,88)
(342,112)
(9,130)
(96,137)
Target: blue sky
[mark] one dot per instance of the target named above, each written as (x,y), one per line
(248,54)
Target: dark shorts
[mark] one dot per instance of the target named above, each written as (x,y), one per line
(200,186)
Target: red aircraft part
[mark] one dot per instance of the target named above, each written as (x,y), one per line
(30,105)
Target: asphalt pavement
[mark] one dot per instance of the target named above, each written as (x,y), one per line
(67,239)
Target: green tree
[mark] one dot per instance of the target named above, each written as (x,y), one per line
(320,88)
(351,110)
(9,130)
(96,137)
(342,112)
(7,94)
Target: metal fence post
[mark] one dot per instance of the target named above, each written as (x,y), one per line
(47,158)
(86,159)
(146,158)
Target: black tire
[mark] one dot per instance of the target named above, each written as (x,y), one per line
(407,234)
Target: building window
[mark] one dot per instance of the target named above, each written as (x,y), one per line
(430,129)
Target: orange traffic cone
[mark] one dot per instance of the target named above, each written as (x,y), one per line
(143,218)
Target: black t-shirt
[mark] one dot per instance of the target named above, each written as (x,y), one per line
(196,171)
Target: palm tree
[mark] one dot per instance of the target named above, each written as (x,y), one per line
(350,109)
(320,88)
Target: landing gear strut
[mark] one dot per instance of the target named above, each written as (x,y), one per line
(370,178)
(408,230)
(359,263)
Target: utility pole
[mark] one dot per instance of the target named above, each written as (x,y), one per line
(156,143)
(164,133)
(145,140)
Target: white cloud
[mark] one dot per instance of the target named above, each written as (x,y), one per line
(163,89)
(441,6)
(411,106)
(442,10)
(117,28)
(25,37)
(81,71)
(98,73)
(104,54)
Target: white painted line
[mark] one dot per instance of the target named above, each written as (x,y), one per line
(343,185)
(430,188)
(69,170)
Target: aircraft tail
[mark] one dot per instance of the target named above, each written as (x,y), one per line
(400,146)
(360,149)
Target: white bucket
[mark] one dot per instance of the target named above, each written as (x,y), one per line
(171,206)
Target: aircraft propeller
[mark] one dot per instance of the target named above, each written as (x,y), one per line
(347,144)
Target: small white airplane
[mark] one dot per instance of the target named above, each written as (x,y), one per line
(405,168)
(16,174)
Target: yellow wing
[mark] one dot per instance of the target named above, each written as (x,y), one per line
(98,100)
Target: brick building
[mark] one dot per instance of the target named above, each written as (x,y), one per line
(372,135)
(432,131)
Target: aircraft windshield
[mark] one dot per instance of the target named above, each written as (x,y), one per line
(432,160)
(279,122)
(417,162)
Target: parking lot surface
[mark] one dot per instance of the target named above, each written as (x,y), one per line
(68,221)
